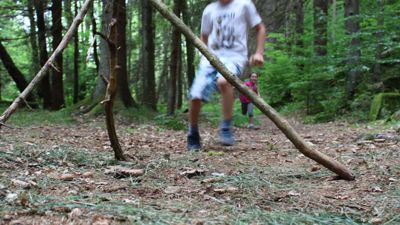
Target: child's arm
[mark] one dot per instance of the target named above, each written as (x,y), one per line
(258,58)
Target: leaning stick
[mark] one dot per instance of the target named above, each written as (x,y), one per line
(42,72)
(270,112)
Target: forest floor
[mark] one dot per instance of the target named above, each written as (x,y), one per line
(63,173)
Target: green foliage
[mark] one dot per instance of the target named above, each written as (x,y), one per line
(384,105)
(170,122)
(294,79)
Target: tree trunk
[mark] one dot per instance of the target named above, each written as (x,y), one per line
(334,20)
(179,93)
(112,91)
(76,62)
(94,31)
(376,77)
(280,122)
(13,71)
(174,61)
(123,87)
(299,29)
(33,37)
(352,27)
(57,85)
(44,87)
(190,50)
(162,90)
(320,27)
(148,95)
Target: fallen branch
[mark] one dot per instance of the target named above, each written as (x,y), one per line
(270,112)
(39,76)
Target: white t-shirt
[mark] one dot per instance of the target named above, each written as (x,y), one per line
(227,29)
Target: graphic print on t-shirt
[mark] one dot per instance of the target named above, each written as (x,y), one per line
(225,31)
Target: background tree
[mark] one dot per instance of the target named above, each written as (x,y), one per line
(352,26)
(148,80)
(175,60)
(57,84)
(44,90)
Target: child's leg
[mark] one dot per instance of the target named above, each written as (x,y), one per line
(194,112)
(227,95)
(250,113)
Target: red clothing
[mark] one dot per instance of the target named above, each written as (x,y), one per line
(252,86)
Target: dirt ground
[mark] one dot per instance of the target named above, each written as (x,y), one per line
(65,174)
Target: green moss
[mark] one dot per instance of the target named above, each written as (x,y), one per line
(384,105)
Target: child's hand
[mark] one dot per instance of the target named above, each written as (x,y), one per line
(257,60)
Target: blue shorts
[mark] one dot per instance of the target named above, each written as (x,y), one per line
(205,82)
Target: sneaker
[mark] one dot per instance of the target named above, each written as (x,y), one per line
(226,137)
(193,142)
(251,126)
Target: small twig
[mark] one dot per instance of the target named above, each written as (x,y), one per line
(27,104)
(104,78)
(55,67)
(105,38)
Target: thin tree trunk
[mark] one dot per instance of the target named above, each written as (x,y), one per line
(179,94)
(148,95)
(44,86)
(280,122)
(111,91)
(352,27)
(320,27)
(299,29)
(334,20)
(174,67)
(57,84)
(162,90)
(13,71)
(44,70)
(123,87)
(376,78)
(94,31)
(33,37)
(190,49)
(76,62)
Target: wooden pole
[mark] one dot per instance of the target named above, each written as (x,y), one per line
(39,76)
(270,112)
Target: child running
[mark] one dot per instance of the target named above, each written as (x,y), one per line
(224,29)
(247,105)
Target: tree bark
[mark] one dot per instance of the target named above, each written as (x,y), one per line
(174,63)
(320,27)
(179,93)
(352,27)
(299,30)
(280,122)
(33,37)
(94,31)
(377,72)
(148,96)
(123,87)
(76,62)
(111,91)
(57,85)
(13,71)
(44,87)
(190,49)
(44,70)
